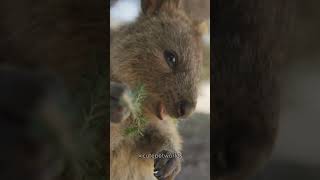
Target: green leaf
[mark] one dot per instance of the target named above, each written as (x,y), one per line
(138,96)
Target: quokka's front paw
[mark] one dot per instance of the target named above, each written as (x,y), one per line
(119,102)
(167,165)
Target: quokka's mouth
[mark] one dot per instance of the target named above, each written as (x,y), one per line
(161,111)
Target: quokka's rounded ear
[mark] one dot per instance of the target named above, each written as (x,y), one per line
(201,27)
(151,7)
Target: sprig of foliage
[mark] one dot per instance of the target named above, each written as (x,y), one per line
(137,96)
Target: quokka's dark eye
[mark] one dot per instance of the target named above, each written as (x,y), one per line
(171,58)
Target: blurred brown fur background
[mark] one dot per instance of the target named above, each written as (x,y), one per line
(296,154)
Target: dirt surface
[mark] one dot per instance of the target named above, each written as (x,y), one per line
(196,149)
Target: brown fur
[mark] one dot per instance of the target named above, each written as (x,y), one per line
(36,131)
(137,57)
(67,37)
(248,38)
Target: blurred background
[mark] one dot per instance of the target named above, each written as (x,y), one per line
(297,151)
(196,130)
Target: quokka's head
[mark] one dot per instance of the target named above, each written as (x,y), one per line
(162,51)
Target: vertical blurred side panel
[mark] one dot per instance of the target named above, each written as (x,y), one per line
(249,43)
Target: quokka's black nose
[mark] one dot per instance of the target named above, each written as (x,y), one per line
(185,108)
